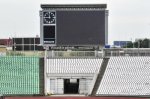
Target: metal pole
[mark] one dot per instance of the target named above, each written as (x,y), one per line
(45,65)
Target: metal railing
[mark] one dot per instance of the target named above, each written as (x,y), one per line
(25,53)
(127,52)
(66,54)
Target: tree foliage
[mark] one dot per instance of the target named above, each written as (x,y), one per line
(145,43)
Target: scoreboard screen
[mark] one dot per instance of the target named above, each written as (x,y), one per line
(80,27)
(73,27)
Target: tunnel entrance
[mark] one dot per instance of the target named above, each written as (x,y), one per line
(71,86)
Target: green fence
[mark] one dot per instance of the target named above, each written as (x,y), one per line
(19,75)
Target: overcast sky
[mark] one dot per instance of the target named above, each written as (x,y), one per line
(128,19)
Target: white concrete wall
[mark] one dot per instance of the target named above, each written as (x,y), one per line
(84,85)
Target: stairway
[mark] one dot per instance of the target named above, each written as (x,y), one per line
(100,76)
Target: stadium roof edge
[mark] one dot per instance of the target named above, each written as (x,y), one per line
(73,6)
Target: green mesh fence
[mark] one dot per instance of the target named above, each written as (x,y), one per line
(19,75)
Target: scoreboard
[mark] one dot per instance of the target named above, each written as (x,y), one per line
(74,25)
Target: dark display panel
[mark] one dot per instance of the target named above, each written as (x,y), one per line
(32,47)
(26,44)
(37,40)
(49,34)
(32,40)
(27,47)
(36,48)
(80,27)
(17,48)
(39,48)
(27,41)
(17,40)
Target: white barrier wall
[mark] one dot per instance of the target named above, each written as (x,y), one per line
(126,76)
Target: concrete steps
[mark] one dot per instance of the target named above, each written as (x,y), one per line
(100,76)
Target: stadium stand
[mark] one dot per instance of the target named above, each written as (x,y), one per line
(78,72)
(126,76)
(73,66)
(19,75)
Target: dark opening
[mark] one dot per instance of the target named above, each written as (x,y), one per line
(71,87)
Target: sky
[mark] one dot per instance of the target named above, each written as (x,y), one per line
(128,19)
